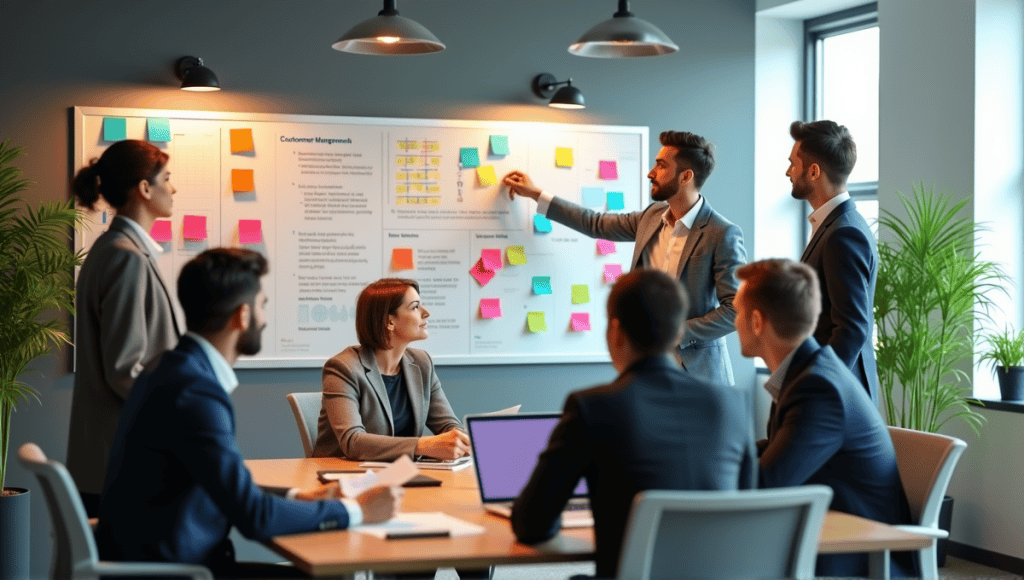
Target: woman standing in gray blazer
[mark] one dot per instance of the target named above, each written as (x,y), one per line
(379,396)
(126,315)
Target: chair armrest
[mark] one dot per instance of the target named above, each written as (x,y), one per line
(152,569)
(933,532)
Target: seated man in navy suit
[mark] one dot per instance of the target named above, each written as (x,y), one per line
(654,427)
(176,482)
(823,427)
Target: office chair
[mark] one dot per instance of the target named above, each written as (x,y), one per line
(711,535)
(75,553)
(926,462)
(306,408)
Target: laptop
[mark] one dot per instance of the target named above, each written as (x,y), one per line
(505,452)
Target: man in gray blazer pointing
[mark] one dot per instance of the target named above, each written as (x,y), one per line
(679,234)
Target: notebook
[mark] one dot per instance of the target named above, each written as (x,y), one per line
(505,451)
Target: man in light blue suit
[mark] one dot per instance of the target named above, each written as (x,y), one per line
(176,482)
(679,234)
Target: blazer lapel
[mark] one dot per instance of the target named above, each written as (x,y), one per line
(797,364)
(648,227)
(693,238)
(825,224)
(377,383)
(177,317)
(414,384)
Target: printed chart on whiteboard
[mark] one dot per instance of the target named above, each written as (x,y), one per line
(338,202)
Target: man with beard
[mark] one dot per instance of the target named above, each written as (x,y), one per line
(842,250)
(176,482)
(678,234)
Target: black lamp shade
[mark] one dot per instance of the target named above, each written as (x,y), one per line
(389,34)
(200,78)
(568,97)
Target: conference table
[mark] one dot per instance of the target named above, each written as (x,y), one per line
(332,553)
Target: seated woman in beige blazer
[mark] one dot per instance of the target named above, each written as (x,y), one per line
(379,396)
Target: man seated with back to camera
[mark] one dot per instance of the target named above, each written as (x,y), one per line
(654,427)
(823,427)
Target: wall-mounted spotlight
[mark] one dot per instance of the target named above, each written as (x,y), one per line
(623,35)
(567,97)
(388,34)
(194,76)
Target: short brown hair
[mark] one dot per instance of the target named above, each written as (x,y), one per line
(651,309)
(828,144)
(694,153)
(786,293)
(375,303)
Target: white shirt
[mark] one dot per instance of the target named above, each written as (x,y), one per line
(774,383)
(818,216)
(151,244)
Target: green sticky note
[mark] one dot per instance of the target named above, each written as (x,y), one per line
(159,128)
(542,285)
(115,129)
(516,255)
(499,144)
(615,200)
(535,322)
(469,157)
(580,294)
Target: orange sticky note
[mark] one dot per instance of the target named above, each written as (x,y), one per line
(401,259)
(250,231)
(242,180)
(194,227)
(241,140)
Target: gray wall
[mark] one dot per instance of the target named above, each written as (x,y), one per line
(275,57)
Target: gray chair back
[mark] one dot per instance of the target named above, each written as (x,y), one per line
(306,409)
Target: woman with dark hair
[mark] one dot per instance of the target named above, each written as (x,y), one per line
(379,396)
(126,314)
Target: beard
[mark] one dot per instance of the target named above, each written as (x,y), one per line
(801,190)
(664,191)
(250,342)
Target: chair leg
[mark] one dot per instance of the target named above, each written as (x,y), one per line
(929,567)
(878,565)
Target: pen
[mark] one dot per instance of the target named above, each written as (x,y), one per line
(417,535)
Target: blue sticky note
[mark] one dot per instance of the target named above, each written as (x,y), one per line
(542,285)
(541,223)
(499,144)
(593,196)
(159,128)
(115,129)
(469,156)
(615,200)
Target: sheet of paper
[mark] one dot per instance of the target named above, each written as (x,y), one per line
(401,259)
(535,322)
(241,140)
(115,129)
(541,224)
(608,170)
(509,411)
(469,157)
(516,255)
(490,307)
(593,197)
(563,157)
(542,285)
(159,128)
(194,227)
(250,231)
(612,272)
(491,259)
(395,474)
(499,144)
(580,294)
(580,321)
(242,180)
(161,231)
(480,272)
(615,200)
(422,522)
(486,175)
(605,247)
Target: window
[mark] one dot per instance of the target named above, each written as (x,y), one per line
(842,85)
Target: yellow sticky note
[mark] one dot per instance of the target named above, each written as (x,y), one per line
(486,175)
(241,140)
(535,322)
(563,157)
(580,294)
(242,180)
(516,255)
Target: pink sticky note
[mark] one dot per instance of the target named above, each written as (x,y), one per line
(580,321)
(250,231)
(194,227)
(605,247)
(491,259)
(161,231)
(612,272)
(482,274)
(490,307)
(608,170)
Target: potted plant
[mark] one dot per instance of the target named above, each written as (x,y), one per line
(1006,353)
(931,288)
(36,288)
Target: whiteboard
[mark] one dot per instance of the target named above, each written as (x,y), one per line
(335,203)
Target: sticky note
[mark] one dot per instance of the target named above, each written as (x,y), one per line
(469,157)
(563,157)
(491,259)
(499,144)
(580,321)
(242,180)
(241,140)
(542,285)
(541,224)
(608,170)
(481,273)
(115,129)
(161,230)
(593,197)
(615,200)
(535,322)
(516,255)
(605,247)
(490,307)
(250,231)
(159,128)
(194,227)
(401,259)
(612,272)
(580,294)
(486,175)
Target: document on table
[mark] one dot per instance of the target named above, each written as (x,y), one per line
(393,474)
(429,463)
(415,523)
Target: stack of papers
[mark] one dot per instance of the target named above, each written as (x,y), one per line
(428,463)
(426,524)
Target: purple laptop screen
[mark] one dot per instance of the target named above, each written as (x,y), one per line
(505,451)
